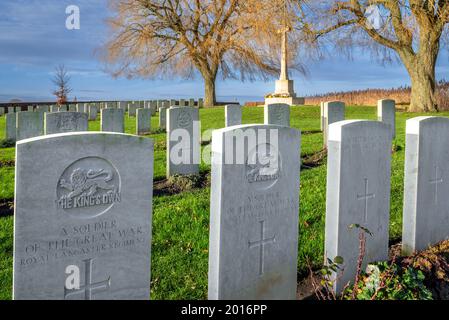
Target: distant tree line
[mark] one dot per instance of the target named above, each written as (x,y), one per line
(369,97)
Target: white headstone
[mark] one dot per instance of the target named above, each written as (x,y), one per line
(11,110)
(386,112)
(113,120)
(84,230)
(63,108)
(143,121)
(62,122)
(253,242)
(30,108)
(183,141)
(81,107)
(358,193)
(200,103)
(233,115)
(132,109)
(2,111)
(426,186)
(334,111)
(277,114)
(322,119)
(93,112)
(72,108)
(153,107)
(29,125)
(163,118)
(11,122)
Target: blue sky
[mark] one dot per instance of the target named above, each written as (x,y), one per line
(34,40)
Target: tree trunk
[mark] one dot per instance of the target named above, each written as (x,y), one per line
(423,97)
(209,91)
(421,68)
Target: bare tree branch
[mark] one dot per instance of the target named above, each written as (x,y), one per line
(169,38)
(61,80)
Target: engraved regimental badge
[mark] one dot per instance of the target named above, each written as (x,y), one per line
(88,188)
(279,114)
(184,119)
(263,166)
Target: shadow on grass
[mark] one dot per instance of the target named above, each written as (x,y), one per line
(314,160)
(7,163)
(6,208)
(179,184)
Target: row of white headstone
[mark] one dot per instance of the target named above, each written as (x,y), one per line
(184,136)
(146,104)
(28,124)
(84,231)
(334,111)
(358,189)
(376,150)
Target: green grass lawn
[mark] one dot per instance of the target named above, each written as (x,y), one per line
(181,222)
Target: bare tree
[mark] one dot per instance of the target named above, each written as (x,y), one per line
(61,80)
(168,38)
(412,29)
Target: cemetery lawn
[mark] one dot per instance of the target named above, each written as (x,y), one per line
(181,221)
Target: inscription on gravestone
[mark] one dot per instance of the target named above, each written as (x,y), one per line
(436,181)
(358,194)
(91,185)
(426,214)
(254,213)
(83,232)
(62,122)
(183,141)
(365,198)
(260,244)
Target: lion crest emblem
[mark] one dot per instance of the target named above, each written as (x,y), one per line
(87,182)
(90,185)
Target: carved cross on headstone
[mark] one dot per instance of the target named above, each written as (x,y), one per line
(436,181)
(261,245)
(88,287)
(365,197)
